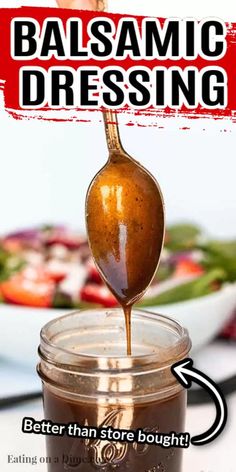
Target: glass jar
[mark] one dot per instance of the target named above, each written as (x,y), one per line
(88,379)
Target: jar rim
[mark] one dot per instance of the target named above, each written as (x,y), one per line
(48,349)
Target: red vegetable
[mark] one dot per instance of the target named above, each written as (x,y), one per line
(100,295)
(187,267)
(229,331)
(93,274)
(12,245)
(64,238)
(31,288)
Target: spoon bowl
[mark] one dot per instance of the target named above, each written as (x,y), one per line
(125,224)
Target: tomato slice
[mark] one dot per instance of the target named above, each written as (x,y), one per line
(101,295)
(187,267)
(93,274)
(12,245)
(30,287)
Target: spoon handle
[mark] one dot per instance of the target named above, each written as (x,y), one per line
(109,117)
(112,131)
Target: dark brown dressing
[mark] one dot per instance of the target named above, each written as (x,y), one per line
(125,224)
(127,312)
(74,454)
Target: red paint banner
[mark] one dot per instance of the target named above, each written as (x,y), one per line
(50,68)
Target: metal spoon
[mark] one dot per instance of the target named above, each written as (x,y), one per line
(125,222)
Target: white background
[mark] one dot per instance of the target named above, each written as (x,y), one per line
(46,167)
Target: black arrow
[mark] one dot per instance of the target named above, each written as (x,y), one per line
(185,373)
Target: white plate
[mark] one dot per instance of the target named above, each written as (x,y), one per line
(203,317)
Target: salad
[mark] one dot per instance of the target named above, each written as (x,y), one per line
(51,266)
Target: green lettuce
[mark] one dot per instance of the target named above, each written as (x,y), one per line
(196,288)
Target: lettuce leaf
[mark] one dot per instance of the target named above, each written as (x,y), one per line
(199,287)
(9,264)
(182,237)
(221,254)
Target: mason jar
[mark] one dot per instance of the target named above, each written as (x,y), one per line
(88,379)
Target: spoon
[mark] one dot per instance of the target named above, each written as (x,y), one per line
(125,223)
